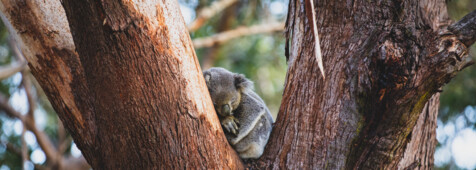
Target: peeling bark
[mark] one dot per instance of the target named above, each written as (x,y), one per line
(420,150)
(42,31)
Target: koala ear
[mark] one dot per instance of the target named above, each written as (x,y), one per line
(207,77)
(242,83)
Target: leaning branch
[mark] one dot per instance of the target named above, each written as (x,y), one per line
(24,147)
(207,13)
(28,120)
(465,29)
(240,31)
(21,64)
(12,148)
(27,85)
(43,140)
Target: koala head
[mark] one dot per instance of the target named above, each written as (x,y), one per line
(225,89)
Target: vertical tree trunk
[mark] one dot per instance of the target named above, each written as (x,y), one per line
(383,61)
(130,91)
(133,96)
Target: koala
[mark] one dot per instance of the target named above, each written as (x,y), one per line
(243,114)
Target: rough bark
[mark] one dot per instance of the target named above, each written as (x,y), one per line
(130,91)
(132,96)
(384,60)
(420,150)
(42,31)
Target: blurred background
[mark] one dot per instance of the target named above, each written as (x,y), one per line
(456,132)
(243,36)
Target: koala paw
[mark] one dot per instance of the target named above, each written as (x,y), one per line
(231,124)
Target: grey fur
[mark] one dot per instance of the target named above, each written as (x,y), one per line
(248,111)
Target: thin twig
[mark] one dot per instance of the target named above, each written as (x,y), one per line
(208,12)
(61,134)
(63,141)
(238,32)
(12,113)
(28,121)
(19,65)
(24,147)
(27,85)
(13,149)
(41,96)
(225,24)
(66,143)
(45,144)
(75,163)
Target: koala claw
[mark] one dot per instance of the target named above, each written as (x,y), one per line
(230,124)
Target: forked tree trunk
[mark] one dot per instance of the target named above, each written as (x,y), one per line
(383,62)
(130,91)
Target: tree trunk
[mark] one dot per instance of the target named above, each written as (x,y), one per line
(130,91)
(420,150)
(383,61)
(133,96)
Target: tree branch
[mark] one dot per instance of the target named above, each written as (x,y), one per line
(24,147)
(29,121)
(174,58)
(12,113)
(238,32)
(43,34)
(465,29)
(53,156)
(225,24)
(65,144)
(27,85)
(12,148)
(44,142)
(20,65)
(207,13)
(63,140)
(77,163)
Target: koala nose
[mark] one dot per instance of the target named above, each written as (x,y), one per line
(226,109)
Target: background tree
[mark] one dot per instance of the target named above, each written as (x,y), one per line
(457,109)
(263,51)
